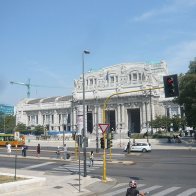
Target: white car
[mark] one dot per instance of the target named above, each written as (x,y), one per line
(141,147)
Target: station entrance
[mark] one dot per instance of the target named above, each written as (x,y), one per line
(111,119)
(134,120)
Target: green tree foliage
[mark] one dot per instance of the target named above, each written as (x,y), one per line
(7,123)
(20,127)
(163,122)
(38,130)
(177,122)
(187,97)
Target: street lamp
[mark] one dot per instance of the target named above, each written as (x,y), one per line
(84,123)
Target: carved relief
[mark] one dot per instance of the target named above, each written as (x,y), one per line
(123,69)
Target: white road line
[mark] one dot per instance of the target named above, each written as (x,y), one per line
(39,165)
(187,192)
(151,188)
(121,184)
(72,167)
(166,191)
(120,190)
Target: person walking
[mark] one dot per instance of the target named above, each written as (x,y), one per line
(9,149)
(64,152)
(23,151)
(38,149)
(91,159)
(58,152)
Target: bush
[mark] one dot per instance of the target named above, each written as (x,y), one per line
(137,136)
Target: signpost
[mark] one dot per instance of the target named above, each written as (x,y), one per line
(103,128)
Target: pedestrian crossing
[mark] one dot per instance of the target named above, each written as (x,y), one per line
(73,168)
(152,190)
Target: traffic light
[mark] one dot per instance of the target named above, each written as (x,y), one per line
(111,143)
(171,85)
(112,135)
(102,142)
(108,143)
(129,133)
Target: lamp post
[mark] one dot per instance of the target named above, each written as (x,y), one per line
(151,110)
(146,121)
(84,123)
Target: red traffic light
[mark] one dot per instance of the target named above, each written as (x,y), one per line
(170,81)
(171,86)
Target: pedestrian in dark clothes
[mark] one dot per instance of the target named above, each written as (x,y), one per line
(38,150)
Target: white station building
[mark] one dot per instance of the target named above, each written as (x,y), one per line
(121,87)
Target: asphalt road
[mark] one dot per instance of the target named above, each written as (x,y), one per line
(174,168)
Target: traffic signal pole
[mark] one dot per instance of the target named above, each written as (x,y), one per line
(104,159)
(104,121)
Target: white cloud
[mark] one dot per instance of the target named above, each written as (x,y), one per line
(179,56)
(175,6)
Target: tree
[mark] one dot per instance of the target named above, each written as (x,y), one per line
(187,97)
(161,122)
(38,130)
(177,122)
(7,123)
(20,127)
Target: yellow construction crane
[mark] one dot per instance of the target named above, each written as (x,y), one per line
(29,85)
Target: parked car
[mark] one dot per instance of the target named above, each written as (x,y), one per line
(141,147)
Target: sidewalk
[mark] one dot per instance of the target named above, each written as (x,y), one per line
(117,143)
(54,185)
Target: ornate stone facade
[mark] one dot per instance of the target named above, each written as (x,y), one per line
(130,105)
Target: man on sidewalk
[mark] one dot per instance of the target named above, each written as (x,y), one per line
(64,152)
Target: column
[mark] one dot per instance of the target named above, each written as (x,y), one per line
(123,116)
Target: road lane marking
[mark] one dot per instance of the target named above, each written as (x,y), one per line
(166,191)
(151,188)
(188,192)
(123,190)
(121,184)
(38,165)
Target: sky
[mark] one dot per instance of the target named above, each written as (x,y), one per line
(43,40)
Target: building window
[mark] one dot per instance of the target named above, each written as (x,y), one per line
(116,78)
(91,82)
(134,76)
(59,118)
(140,76)
(112,79)
(129,77)
(143,77)
(52,119)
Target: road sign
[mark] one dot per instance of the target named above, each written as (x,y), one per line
(104,127)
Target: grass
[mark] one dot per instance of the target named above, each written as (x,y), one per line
(6,179)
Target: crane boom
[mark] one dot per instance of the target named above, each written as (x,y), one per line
(20,83)
(28,85)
